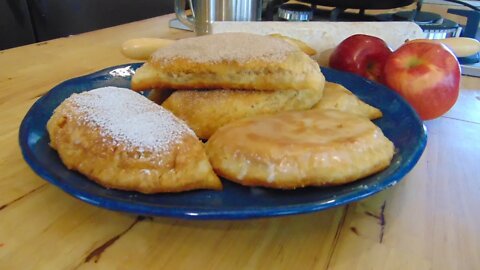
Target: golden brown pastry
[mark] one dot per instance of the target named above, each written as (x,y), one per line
(300,44)
(297,149)
(337,97)
(159,96)
(122,140)
(206,111)
(229,61)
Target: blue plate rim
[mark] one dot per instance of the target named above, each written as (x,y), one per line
(200,213)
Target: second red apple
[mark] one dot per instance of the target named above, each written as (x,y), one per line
(427,75)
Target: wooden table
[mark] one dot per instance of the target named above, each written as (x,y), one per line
(431,220)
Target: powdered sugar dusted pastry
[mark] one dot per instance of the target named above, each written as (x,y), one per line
(337,97)
(229,61)
(297,149)
(122,140)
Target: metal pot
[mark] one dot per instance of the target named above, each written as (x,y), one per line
(207,11)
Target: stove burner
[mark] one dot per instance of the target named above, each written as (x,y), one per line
(295,12)
(419,17)
(432,24)
(338,14)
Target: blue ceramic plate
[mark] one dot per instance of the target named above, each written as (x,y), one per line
(399,123)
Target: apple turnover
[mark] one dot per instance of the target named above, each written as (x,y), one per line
(300,44)
(120,139)
(296,149)
(337,97)
(229,61)
(206,111)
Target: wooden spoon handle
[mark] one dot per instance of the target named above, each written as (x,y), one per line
(142,48)
(460,46)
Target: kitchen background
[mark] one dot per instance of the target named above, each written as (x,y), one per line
(27,21)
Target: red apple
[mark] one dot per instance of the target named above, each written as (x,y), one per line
(427,75)
(361,54)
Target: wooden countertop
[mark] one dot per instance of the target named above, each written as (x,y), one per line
(430,220)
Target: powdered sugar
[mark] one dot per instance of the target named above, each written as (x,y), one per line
(129,119)
(237,47)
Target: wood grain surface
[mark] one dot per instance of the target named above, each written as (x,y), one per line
(430,220)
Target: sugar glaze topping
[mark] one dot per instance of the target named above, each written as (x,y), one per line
(128,119)
(238,47)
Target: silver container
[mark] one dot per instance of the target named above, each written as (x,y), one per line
(204,12)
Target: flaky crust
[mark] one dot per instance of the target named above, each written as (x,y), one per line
(297,149)
(300,44)
(206,111)
(84,147)
(337,97)
(285,69)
